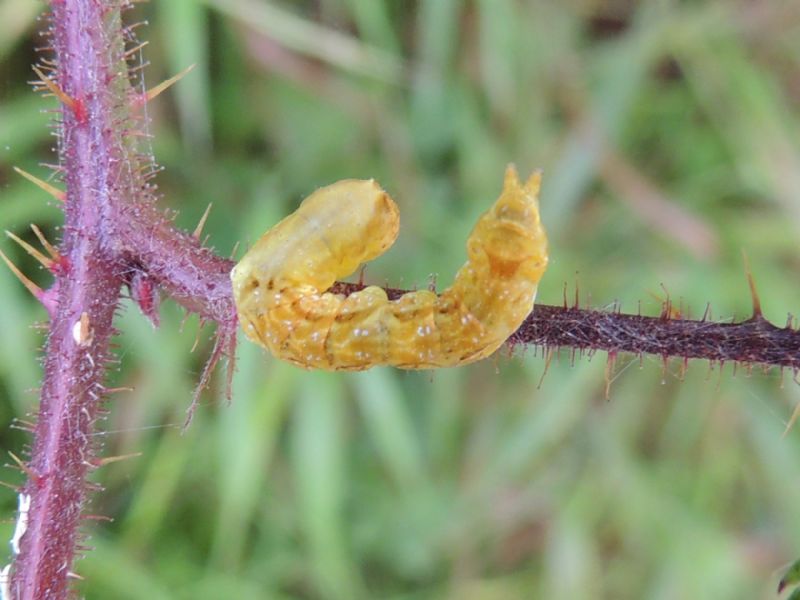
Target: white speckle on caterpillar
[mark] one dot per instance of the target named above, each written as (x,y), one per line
(353,221)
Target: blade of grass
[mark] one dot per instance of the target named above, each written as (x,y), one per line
(309,38)
(184,31)
(319,461)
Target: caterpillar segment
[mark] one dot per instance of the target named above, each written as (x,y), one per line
(280,285)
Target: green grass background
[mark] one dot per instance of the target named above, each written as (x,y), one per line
(668,135)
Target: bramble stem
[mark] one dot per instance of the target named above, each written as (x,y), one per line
(87,41)
(754,341)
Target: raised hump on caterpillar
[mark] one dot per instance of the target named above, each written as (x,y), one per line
(280,285)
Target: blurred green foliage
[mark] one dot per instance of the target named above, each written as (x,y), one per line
(668,134)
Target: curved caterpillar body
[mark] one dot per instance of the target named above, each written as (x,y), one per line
(279,285)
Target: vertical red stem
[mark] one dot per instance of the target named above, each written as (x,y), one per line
(86,39)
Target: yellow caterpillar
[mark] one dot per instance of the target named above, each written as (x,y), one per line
(279,285)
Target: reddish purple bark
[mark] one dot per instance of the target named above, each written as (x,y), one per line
(75,354)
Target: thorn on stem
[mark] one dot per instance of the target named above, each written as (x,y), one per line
(131,51)
(196,342)
(77,106)
(757,314)
(792,421)
(112,459)
(54,254)
(202,223)
(23,467)
(41,258)
(706,313)
(155,91)
(548,355)
(105,518)
(576,306)
(52,190)
(53,87)
(34,289)
(115,390)
(611,362)
(668,310)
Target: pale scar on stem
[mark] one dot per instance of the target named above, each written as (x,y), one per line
(280,284)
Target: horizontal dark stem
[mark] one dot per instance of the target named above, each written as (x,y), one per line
(753,341)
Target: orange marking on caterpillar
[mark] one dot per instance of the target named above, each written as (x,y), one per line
(279,285)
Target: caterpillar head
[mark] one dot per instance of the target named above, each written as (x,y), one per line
(519,202)
(510,234)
